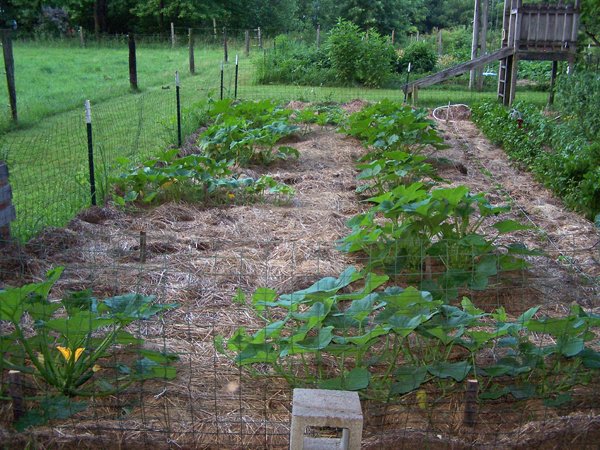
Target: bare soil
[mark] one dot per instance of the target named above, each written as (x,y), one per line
(200,256)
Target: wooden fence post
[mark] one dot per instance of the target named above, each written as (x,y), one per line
(475,41)
(191,47)
(393,36)
(483,29)
(81,40)
(259,39)
(214,29)
(132,62)
(318,36)
(9,63)
(470,413)
(172,35)
(7,210)
(247,39)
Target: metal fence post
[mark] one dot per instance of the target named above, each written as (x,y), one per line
(222,80)
(236,77)
(88,121)
(132,62)
(178,109)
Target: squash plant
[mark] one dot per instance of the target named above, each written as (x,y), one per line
(352,333)
(441,225)
(78,346)
(247,132)
(415,227)
(192,178)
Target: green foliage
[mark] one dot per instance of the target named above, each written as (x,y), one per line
(558,151)
(247,132)
(348,56)
(421,56)
(293,62)
(322,114)
(389,342)
(390,126)
(439,227)
(76,346)
(578,96)
(238,134)
(343,47)
(538,71)
(358,58)
(411,225)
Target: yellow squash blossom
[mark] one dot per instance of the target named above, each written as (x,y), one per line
(68,354)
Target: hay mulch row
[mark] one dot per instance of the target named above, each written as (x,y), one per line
(199,257)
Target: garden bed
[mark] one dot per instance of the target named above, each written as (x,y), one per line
(200,257)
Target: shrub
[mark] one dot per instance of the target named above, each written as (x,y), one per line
(356,57)
(294,62)
(375,61)
(343,47)
(578,95)
(420,55)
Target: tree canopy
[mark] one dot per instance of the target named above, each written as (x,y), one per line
(273,16)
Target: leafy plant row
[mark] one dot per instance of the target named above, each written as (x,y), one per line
(362,333)
(389,342)
(237,134)
(563,152)
(413,222)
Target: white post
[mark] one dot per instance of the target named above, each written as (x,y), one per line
(475,41)
(88,112)
(172,35)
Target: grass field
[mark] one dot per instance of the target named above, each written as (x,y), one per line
(47,152)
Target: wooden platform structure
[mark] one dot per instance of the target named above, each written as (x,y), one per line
(531,32)
(536,32)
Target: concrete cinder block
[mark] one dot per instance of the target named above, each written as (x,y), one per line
(326,408)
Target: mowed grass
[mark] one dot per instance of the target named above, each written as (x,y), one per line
(55,79)
(47,153)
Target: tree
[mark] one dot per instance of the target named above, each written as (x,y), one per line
(383,15)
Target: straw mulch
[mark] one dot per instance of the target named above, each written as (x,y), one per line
(199,257)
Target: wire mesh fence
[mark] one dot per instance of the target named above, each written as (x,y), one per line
(213,401)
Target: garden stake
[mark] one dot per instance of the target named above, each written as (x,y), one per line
(142,247)
(406,87)
(15,392)
(221,80)
(471,403)
(88,121)
(236,77)
(178,108)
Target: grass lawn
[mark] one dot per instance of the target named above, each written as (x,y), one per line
(47,153)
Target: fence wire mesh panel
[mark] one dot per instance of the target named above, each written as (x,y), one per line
(213,401)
